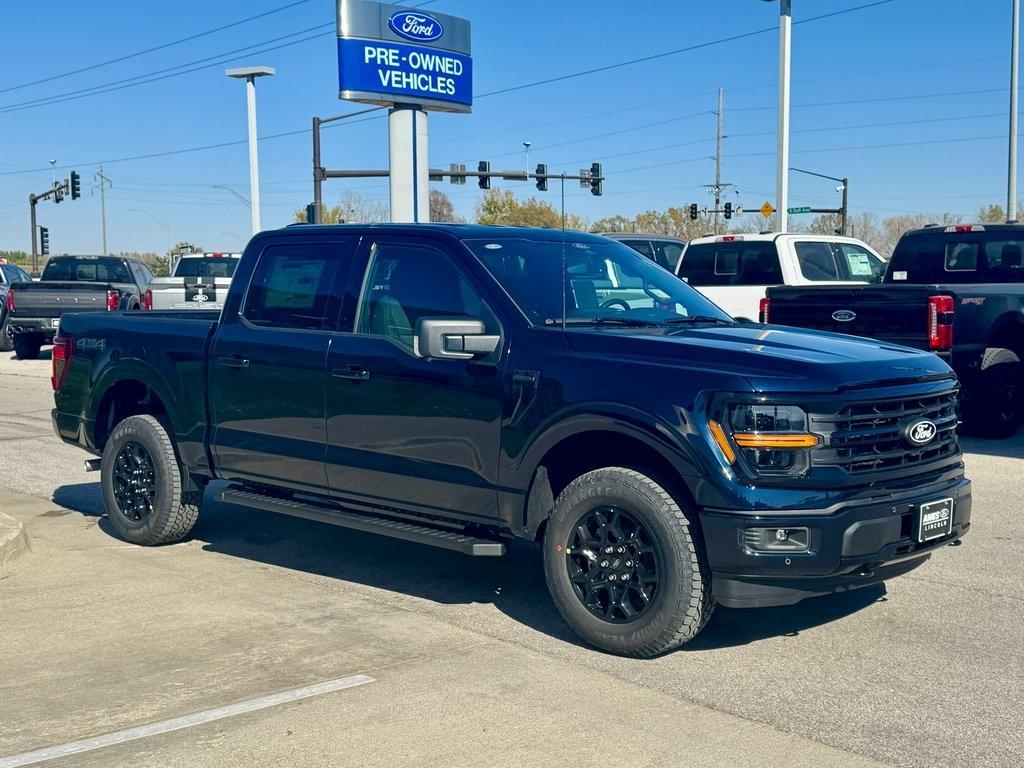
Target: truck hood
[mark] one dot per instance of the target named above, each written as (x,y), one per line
(768,358)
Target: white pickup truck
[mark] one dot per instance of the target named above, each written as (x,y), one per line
(200,281)
(735,271)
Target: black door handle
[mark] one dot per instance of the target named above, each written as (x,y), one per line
(233,362)
(351,372)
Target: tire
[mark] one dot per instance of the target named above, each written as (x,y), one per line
(6,342)
(681,602)
(27,345)
(994,409)
(164,514)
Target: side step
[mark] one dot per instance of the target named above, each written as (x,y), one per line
(421,534)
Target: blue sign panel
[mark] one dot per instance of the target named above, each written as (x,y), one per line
(386,73)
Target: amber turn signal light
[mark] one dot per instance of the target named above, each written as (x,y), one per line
(722,441)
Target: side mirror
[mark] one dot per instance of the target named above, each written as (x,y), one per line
(462,339)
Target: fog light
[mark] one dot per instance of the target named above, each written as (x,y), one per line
(777,539)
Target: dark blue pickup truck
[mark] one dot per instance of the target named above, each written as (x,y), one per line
(461,386)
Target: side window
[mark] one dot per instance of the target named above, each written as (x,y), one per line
(640,246)
(667,254)
(817,261)
(731,263)
(137,274)
(291,286)
(860,263)
(407,283)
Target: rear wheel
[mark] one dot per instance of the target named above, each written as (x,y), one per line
(27,345)
(994,408)
(624,566)
(6,342)
(144,484)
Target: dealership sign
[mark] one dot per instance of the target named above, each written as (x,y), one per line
(391,55)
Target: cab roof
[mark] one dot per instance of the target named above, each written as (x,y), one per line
(461,231)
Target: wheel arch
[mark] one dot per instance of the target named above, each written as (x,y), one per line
(1008,333)
(593,440)
(129,389)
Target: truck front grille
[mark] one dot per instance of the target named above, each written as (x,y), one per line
(869,437)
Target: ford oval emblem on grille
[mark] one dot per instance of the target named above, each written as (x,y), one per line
(919,433)
(417,27)
(843,315)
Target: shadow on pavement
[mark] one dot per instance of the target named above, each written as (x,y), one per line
(514,584)
(1010,447)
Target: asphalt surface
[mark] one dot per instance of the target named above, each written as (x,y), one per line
(470,661)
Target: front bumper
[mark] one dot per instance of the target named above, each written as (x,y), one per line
(851,545)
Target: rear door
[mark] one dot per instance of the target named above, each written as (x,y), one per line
(403,430)
(734,273)
(268,365)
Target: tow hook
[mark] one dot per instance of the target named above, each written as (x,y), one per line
(93,465)
(866,572)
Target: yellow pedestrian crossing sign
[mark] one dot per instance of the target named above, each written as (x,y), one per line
(767,209)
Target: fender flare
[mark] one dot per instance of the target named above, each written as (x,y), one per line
(132,369)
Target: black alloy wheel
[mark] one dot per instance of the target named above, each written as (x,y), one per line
(614,564)
(134,482)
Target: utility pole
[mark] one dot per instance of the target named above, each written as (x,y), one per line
(1011,182)
(102,182)
(782,170)
(718,157)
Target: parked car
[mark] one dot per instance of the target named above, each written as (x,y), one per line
(200,281)
(661,249)
(9,274)
(71,284)
(735,271)
(957,291)
(439,384)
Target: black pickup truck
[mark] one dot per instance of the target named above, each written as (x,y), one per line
(461,386)
(71,284)
(957,291)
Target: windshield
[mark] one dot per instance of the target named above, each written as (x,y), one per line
(600,282)
(993,256)
(206,267)
(87,270)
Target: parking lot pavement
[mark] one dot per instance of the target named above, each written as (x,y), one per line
(471,663)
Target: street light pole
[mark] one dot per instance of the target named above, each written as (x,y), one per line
(782,179)
(249,74)
(1011,181)
(844,212)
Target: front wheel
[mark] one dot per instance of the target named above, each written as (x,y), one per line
(624,566)
(144,485)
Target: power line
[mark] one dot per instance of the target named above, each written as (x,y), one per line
(161,47)
(687,49)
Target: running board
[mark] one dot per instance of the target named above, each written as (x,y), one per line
(421,534)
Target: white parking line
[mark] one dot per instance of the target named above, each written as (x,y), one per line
(177,723)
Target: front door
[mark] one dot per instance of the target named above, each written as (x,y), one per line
(268,375)
(403,430)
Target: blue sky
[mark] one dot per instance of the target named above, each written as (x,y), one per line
(868,102)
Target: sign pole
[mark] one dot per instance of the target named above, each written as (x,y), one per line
(410,171)
(782,179)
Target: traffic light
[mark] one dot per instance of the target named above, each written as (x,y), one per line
(484,181)
(728,210)
(75,185)
(693,211)
(596,180)
(44,241)
(542,177)
(311,214)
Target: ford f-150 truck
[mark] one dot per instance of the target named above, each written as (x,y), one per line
(71,284)
(461,386)
(200,281)
(957,291)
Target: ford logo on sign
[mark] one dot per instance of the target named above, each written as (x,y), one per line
(843,315)
(920,433)
(418,27)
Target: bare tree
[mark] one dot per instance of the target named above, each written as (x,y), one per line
(442,209)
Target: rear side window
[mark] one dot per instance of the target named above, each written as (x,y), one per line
(291,287)
(992,256)
(640,246)
(817,261)
(732,263)
(667,254)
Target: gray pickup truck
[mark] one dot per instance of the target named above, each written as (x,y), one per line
(200,281)
(71,284)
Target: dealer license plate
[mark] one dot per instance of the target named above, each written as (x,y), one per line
(935,520)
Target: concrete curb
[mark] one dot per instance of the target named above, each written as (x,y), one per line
(13,539)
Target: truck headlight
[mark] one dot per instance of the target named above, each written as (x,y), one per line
(767,439)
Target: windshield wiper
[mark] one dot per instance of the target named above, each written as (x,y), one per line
(625,321)
(700,319)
